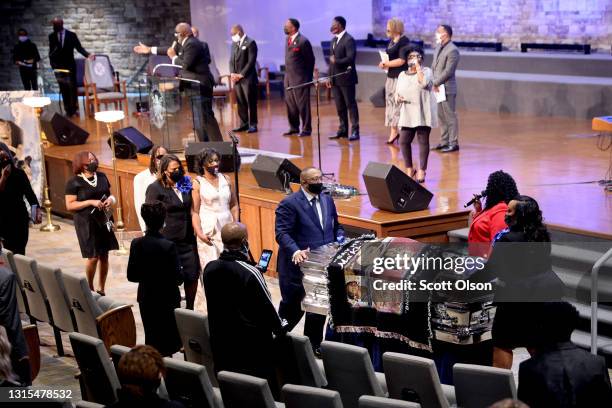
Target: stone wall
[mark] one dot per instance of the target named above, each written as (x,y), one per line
(110,27)
(508,21)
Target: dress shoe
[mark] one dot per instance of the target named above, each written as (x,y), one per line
(317,352)
(391,141)
(339,135)
(304,133)
(252,129)
(241,129)
(440,147)
(354,136)
(449,149)
(291,132)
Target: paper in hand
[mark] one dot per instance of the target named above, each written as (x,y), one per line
(384,57)
(441,94)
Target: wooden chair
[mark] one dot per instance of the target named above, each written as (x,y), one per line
(30,333)
(101,87)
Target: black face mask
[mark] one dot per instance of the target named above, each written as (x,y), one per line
(315,188)
(509,221)
(57,28)
(286,31)
(92,167)
(5,161)
(176,175)
(214,170)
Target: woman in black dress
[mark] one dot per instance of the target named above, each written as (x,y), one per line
(521,261)
(173,189)
(14,218)
(154,264)
(89,197)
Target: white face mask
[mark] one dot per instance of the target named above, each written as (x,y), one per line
(438,38)
(235,37)
(23,38)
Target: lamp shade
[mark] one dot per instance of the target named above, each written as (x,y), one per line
(37,101)
(109,116)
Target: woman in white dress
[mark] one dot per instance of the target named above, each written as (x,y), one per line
(214,203)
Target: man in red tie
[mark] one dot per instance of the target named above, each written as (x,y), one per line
(62,44)
(299,67)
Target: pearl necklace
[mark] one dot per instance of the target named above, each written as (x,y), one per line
(93,183)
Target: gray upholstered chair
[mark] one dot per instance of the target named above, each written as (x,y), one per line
(51,279)
(22,302)
(300,396)
(189,384)
(416,377)
(116,351)
(101,317)
(97,377)
(480,386)
(308,369)
(368,401)
(245,391)
(349,371)
(195,336)
(38,302)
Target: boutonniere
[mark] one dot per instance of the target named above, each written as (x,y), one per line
(184,185)
(244,47)
(296,49)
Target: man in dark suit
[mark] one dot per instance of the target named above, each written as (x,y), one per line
(193,56)
(243,73)
(299,67)
(342,59)
(305,220)
(62,44)
(241,315)
(560,374)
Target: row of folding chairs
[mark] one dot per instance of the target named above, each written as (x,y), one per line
(65,302)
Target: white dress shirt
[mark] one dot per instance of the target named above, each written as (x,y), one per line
(141,181)
(339,36)
(316,207)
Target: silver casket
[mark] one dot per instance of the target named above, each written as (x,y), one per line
(465,319)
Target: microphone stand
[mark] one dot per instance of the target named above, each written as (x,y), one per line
(316,83)
(235,142)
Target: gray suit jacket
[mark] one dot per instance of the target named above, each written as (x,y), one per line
(444,64)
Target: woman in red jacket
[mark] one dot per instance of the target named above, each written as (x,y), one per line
(487,222)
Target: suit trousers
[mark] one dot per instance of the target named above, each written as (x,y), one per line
(298,106)
(449,125)
(68,89)
(246,98)
(204,122)
(346,105)
(29,78)
(313,325)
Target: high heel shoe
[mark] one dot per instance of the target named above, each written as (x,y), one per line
(101,292)
(391,141)
(420,176)
(411,173)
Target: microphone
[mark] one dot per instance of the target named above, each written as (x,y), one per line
(482,194)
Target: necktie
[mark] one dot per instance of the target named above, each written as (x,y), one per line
(61,38)
(313,202)
(289,41)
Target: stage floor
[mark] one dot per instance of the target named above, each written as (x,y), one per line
(555,160)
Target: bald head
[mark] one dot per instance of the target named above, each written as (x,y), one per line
(183,30)
(195,32)
(237,29)
(233,235)
(310,174)
(58,24)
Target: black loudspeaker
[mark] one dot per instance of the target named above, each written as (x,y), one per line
(62,131)
(275,173)
(129,141)
(391,189)
(378,98)
(225,149)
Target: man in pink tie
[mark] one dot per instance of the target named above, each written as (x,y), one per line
(62,44)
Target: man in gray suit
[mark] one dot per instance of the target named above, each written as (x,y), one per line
(445,60)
